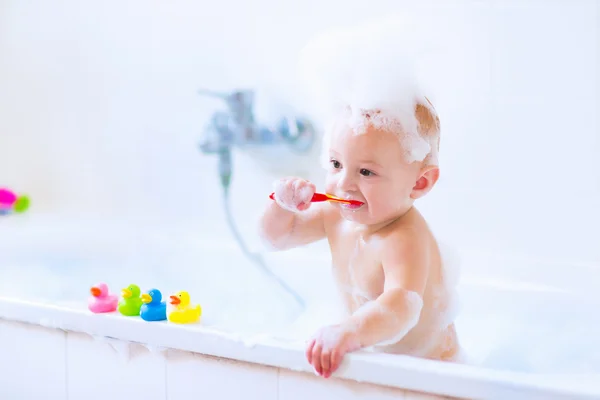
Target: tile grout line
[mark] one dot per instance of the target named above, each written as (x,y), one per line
(66,337)
(165,358)
(277,393)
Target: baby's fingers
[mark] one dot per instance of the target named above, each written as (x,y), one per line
(309,351)
(326,362)
(316,358)
(336,360)
(303,192)
(303,206)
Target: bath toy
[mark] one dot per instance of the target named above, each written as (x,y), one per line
(131,302)
(7,198)
(317,197)
(101,301)
(9,201)
(21,205)
(183,312)
(153,308)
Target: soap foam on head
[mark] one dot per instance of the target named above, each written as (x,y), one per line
(367,75)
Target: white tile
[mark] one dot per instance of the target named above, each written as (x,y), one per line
(33,362)
(192,376)
(300,386)
(100,370)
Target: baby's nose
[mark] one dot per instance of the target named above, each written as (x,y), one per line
(347,183)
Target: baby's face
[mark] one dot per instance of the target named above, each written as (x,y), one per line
(370,167)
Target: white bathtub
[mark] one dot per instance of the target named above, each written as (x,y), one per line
(250,342)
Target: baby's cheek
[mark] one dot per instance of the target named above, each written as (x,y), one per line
(330,183)
(383,201)
(375,201)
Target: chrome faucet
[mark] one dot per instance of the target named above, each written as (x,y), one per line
(237,127)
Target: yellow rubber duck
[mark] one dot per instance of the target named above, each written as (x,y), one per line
(182,312)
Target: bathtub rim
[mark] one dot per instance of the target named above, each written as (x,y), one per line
(402,372)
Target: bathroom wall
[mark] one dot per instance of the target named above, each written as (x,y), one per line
(99,113)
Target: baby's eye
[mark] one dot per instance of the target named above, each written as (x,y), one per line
(366,172)
(336,164)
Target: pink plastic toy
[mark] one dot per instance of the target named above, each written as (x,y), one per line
(7,198)
(101,300)
(10,202)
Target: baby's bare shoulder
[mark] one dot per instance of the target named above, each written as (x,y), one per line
(402,241)
(407,242)
(410,231)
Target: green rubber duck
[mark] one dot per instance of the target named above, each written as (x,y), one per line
(131,301)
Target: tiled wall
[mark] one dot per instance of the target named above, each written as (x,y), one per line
(56,365)
(99,112)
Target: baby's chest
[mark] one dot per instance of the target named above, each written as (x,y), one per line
(358,265)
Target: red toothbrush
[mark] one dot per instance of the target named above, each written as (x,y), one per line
(327,197)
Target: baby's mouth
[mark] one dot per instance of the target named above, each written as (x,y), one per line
(355,205)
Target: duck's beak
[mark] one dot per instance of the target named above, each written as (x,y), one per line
(95,291)
(126,293)
(146,298)
(175,300)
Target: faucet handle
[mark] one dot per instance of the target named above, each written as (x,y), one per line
(211,93)
(234,99)
(240,103)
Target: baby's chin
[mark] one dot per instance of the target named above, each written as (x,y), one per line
(362,215)
(355,214)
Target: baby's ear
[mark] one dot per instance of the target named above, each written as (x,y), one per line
(428,178)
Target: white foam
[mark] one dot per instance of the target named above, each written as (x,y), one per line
(450,272)
(368,75)
(496,327)
(407,320)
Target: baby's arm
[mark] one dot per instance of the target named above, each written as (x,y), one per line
(405,262)
(291,220)
(396,311)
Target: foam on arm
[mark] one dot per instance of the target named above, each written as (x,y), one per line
(282,229)
(397,310)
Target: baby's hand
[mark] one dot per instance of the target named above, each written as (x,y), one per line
(326,350)
(294,194)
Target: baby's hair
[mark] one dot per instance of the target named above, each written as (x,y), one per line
(367,75)
(429,129)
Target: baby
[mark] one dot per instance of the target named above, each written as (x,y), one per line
(386,261)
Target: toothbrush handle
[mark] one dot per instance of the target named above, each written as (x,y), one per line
(319,197)
(316,197)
